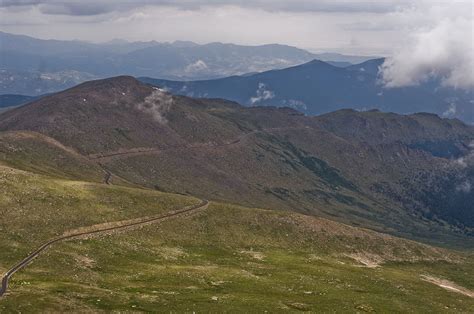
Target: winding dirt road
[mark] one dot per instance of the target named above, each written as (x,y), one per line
(107,176)
(34,254)
(140,151)
(103,157)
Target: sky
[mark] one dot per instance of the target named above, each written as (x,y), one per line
(364,28)
(437,35)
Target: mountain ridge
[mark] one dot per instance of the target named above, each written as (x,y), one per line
(317,87)
(275,156)
(32,66)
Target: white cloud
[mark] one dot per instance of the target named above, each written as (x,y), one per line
(467,160)
(262,94)
(196,67)
(157,105)
(444,51)
(451,111)
(464,187)
(295,104)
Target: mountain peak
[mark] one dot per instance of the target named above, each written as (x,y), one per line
(319,62)
(121,79)
(123,82)
(184,44)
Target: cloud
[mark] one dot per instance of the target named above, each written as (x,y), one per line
(93,7)
(443,52)
(464,187)
(196,67)
(262,94)
(451,111)
(73,8)
(321,5)
(467,160)
(344,26)
(464,165)
(76,9)
(157,104)
(18,3)
(295,104)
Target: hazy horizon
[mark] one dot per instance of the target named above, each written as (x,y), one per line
(350,27)
(312,50)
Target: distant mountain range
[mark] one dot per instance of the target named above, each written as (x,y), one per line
(31,66)
(406,175)
(251,75)
(318,87)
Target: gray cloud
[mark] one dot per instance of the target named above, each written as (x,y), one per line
(262,93)
(157,105)
(14,3)
(464,187)
(94,7)
(77,9)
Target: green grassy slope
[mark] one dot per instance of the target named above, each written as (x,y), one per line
(224,258)
(50,206)
(270,173)
(38,153)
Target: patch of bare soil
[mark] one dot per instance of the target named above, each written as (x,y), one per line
(172,253)
(20,135)
(448,285)
(367,259)
(84,261)
(254,254)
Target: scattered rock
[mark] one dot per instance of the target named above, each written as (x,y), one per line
(254,254)
(366,259)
